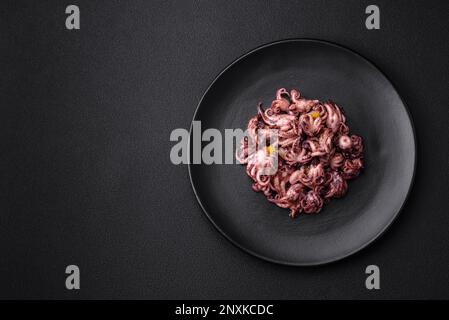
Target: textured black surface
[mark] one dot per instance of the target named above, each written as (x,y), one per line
(373,109)
(85,172)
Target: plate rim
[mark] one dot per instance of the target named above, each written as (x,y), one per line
(344,255)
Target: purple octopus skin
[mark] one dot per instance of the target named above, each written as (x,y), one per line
(316,154)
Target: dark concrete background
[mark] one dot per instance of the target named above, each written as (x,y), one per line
(85,174)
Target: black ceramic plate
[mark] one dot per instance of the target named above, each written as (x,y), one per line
(373,110)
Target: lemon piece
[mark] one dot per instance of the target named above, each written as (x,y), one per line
(270,149)
(315,114)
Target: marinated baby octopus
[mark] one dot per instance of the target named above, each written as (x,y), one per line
(315,153)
